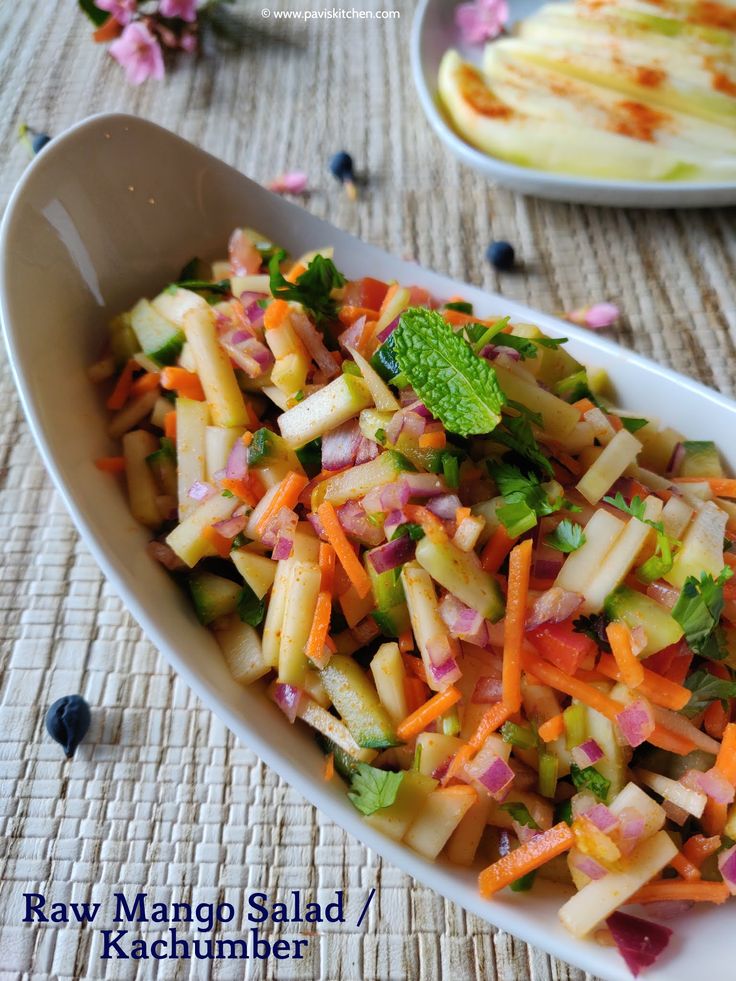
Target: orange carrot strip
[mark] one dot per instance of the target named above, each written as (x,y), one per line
(221,544)
(327,566)
(418,720)
(526,858)
(714,817)
(390,294)
(240,488)
(348,559)
(552,729)
(320,626)
(655,687)
(415,691)
(286,496)
(615,422)
(720,486)
(111,464)
(295,272)
(347,315)
(415,665)
(184,382)
(583,406)
(123,385)
(677,889)
(461,514)
(170,424)
(433,440)
(422,516)
(491,720)
(715,720)
(496,549)
(146,383)
(685,868)
(619,637)
(726,759)
(406,641)
(329,770)
(698,848)
(520,564)
(550,675)
(275,313)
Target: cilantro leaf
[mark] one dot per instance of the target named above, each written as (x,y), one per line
(594,627)
(633,425)
(520,814)
(516,434)
(660,563)
(636,509)
(525,498)
(414,531)
(524,883)
(567,537)
(516,518)
(250,609)
(706,688)
(590,779)
(313,289)
(550,342)
(524,345)
(371,788)
(461,306)
(698,611)
(481,334)
(220,286)
(523,410)
(458,387)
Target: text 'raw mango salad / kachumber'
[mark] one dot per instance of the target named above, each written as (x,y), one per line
(503,605)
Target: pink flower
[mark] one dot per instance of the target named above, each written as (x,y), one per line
(121,10)
(139,53)
(595,316)
(293,182)
(183,9)
(481,20)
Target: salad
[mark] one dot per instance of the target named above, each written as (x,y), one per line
(501,604)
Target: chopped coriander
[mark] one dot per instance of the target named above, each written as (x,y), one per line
(523,410)
(299,396)
(520,813)
(480,334)
(567,537)
(516,518)
(221,286)
(461,306)
(414,531)
(633,425)
(706,688)
(516,434)
(372,789)
(417,761)
(239,541)
(227,493)
(590,779)
(525,347)
(661,562)
(525,498)
(380,435)
(313,288)
(636,509)
(698,611)
(250,609)
(524,883)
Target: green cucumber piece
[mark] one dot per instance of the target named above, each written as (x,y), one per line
(462,574)
(345,764)
(639,610)
(123,342)
(355,698)
(268,447)
(394,621)
(214,596)
(700,459)
(158,337)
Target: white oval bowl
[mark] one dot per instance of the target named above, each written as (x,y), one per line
(434,31)
(112,210)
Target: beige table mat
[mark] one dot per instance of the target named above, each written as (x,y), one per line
(161,797)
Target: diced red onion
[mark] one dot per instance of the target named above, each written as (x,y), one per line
(588,866)
(587,753)
(238,336)
(245,259)
(249,354)
(439,649)
(237,461)
(283,523)
(367,451)
(365,631)
(676,460)
(440,772)
(312,341)
(283,546)
(673,811)
(669,909)
(420,409)
(636,722)
(553,606)
(407,397)
(340,446)
(524,833)
(548,568)
(288,698)
(639,942)
(727,868)
(394,495)
(388,330)
(231,527)
(355,522)
(663,593)
(712,783)
(413,425)
(487,691)
(201,491)
(602,817)
(164,554)
(392,554)
(446,673)
(424,485)
(639,640)
(394,427)
(317,525)
(444,505)
(631,827)
(392,521)
(497,778)
(462,621)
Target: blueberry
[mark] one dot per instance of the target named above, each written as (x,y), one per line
(501,255)
(67,721)
(341,166)
(39,141)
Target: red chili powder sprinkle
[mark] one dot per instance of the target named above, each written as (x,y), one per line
(479,96)
(651,78)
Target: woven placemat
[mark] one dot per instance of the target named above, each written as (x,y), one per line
(161,798)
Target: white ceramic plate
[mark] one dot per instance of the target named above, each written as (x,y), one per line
(111,211)
(434,31)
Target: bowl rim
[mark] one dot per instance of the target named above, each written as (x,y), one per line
(506,912)
(506,172)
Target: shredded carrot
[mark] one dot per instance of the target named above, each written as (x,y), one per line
(329,770)
(295,272)
(685,868)
(406,640)
(123,385)
(183,382)
(491,720)
(520,563)
(240,488)
(275,314)
(330,644)
(111,464)
(422,516)
(526,858)
(550,675)
(170,424)
(552,729)
(286,496)
(390,294)
(435,439)
(415,692)
(720,486)
(615,422)
(714,817)
(631,670)
(726,759)
(680,889)
(583,406)
(221,544)
(461,514)
(715,720)
(655,687)
(348,559)
(418,720)
(348,315)
(320,627)
(496,549)
(146,383)
(698,848)
(247,437)
(415,666)
(327,566)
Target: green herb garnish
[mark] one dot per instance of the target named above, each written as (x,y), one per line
(706,688)
(698,611)
(590,779)
(250,609)
(594,626)
(567,537)
(522,736)
(313,289)
(414,531)
(633,425)
(220,286)
(372,789)
(525,498)
(520,814)
(461,306)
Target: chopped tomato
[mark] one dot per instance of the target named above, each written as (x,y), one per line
(365,292)
(560,644)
